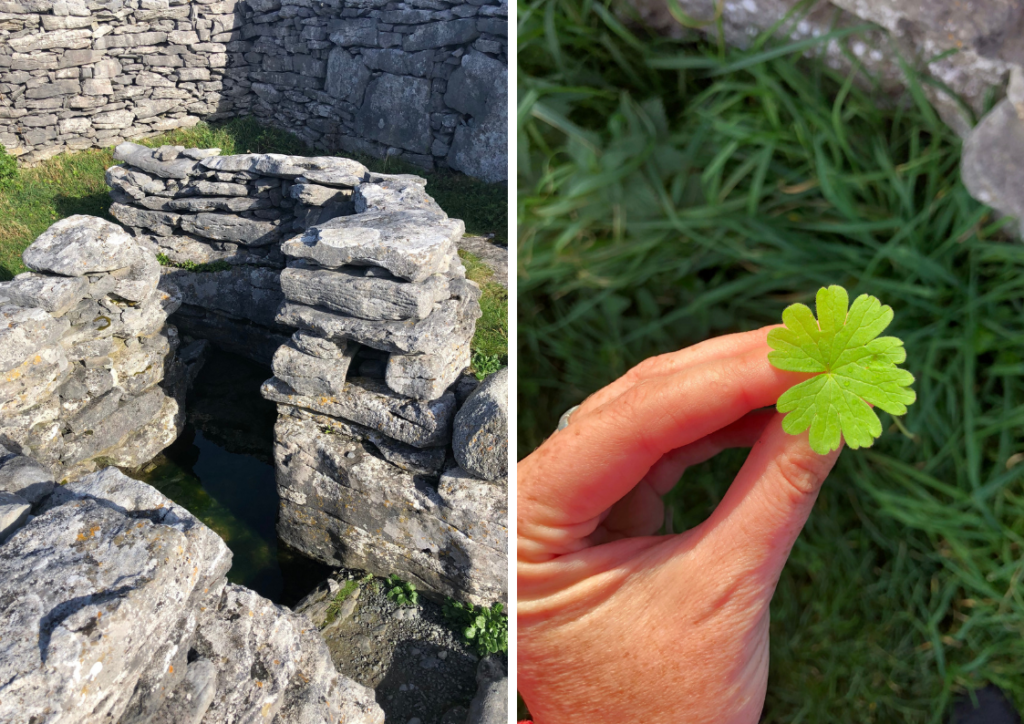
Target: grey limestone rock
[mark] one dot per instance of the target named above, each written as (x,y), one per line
(395,112)
(35,379)
(441,34)
(476,506)
(427,376)
(478,148)
(320,169)
(24,477)
(79,245)
(991,165)
(347,76)
(23,332)
(370,403)
(316,346)
(228,227)
(151,161)
(480,437)
(161,223)
(490,705)
(137,281)
(14,511)
(452,322)
(310,375)
(190,700)
(245,292)
(315,195)
(410,244)
(348,291)
(54,294)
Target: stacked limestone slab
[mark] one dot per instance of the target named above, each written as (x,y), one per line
(366,392)
(115,608)
(88,373)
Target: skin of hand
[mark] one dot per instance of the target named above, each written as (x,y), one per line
(617,624)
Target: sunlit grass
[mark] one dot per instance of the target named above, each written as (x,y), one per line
(670,193)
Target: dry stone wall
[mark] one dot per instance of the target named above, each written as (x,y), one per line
(424,79)
(88,371)
(349,284)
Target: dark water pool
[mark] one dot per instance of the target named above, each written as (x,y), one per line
(220,469)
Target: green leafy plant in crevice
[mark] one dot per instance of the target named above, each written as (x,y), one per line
(485,629)
(332,610)
(487,364)
(402,592)
(193,266)
(8,169)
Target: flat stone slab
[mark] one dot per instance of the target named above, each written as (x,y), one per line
(427,376)
(319,169)
(228,227)
(369,402)
(54,294)
(80,245)
(349,291)
(151,161)
(24,477)
(412,245)
(451,322)
(480,437)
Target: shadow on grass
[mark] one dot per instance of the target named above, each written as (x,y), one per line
(92,204)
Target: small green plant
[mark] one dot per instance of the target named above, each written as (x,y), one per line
(486,364)
(8,169)
(332,610)
(486,629)
(402,592)
(856,369)
(192,266)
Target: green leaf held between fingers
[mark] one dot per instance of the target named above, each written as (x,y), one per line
(856,369)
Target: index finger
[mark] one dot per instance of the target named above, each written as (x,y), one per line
(584,469)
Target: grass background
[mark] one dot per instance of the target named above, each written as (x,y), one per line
(671,191)
(74,184)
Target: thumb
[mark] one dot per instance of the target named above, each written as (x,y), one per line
(766,507)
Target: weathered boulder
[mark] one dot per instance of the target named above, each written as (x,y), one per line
(992,165)
(310,375)
(412,245)
(395,112)
(79,245)
(480,436)
(478,89)
(56,295)
(116,609)
(428,376)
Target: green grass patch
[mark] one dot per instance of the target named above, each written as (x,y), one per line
(673,191)
(335,607)
(490,343)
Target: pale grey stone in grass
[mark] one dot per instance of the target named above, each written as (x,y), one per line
(369,402)
(413,245)
(227,227)
(145,159)
(311,376)
(79,245)
(13,511)
(991,166)
(161,223)
(480,435)
(23,476)
(348,291)
(23,332)
(427,376)
(451,322)
(54,294)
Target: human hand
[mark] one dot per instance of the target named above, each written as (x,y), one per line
(617,624)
